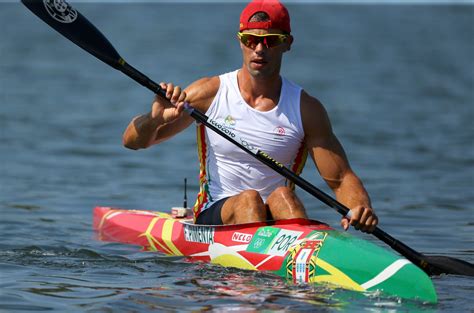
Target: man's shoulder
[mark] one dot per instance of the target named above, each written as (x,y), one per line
(206,82)
(204,86)
(201,92)
(306,99)
(309,102)
(213,82)
(314,116)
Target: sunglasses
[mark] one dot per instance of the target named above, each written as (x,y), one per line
(269,40)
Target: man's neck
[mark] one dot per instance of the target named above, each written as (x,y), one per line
(261,93)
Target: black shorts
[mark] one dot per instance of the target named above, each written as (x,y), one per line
(212,215)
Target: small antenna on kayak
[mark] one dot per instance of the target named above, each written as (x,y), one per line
(182,212)
(185,203)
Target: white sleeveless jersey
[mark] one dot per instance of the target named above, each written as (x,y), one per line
(225,169)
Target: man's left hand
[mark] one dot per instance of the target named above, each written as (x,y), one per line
(362,218)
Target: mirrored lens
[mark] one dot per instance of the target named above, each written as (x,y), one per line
(272,41)
(269,41)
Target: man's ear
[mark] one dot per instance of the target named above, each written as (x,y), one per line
(290,42)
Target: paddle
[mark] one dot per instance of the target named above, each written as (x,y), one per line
(71,24)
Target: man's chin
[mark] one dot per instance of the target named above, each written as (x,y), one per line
(259,73)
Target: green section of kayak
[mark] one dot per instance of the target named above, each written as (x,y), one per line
(343,260)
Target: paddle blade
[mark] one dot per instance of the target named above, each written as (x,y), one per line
(447,265)
(71,24)
(432,265)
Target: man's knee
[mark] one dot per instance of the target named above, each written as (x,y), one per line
(248,207)
(251,197)
(283,203)
(283,192)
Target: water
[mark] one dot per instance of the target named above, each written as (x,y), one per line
(397,82)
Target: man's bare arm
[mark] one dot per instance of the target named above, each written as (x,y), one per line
(333,166)
(167,118)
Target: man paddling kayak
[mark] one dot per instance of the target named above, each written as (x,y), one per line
(269,112)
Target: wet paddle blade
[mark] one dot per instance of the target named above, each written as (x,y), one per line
(447,265)
(72,25)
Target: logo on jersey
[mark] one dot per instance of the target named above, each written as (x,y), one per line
(279,132)
(229,122)
(223,128)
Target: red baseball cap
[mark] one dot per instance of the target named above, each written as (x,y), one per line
(278,14)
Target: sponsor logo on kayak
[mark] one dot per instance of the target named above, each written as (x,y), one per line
(262,239)
(283,241)
(273,241)
(241,237)
(60,10)
(257,244)
(267,232)
(222,128)
(201,234)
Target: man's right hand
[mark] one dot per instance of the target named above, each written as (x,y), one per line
(167,110)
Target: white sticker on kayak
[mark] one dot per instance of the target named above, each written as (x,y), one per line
(60,10)
(283,241)
(201,234)
(301,265)
(241,237)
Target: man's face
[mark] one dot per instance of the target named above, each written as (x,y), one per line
(263,61)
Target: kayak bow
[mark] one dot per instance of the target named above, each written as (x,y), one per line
(303,251)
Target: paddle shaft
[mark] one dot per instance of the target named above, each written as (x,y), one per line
(87,36)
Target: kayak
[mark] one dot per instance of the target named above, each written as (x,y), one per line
(300,250)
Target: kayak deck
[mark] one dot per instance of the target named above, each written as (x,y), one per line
(301,250)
